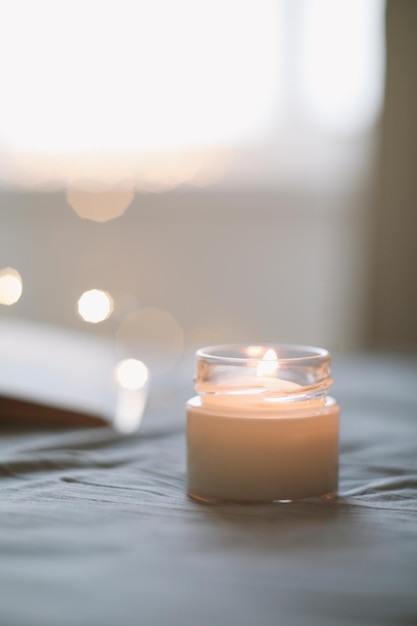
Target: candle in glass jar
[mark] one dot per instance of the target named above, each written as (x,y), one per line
(256,436)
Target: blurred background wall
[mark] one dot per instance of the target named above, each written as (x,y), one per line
(304,231)
(393,307)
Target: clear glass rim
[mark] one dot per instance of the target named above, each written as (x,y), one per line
(302,354)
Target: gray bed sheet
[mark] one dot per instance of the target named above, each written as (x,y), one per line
(97,530)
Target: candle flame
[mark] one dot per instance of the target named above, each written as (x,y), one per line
(269,364)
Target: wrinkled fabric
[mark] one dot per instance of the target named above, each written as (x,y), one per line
(97,530)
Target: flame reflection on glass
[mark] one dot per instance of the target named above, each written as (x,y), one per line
(269,364)
(255,352)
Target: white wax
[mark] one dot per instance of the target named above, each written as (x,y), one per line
(255,454)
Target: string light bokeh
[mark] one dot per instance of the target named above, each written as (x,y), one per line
(11,286)
(100,203)
(95,306)
(131,374)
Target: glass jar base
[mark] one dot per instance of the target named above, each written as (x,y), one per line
(325,497)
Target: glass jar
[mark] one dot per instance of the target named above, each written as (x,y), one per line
(262,427)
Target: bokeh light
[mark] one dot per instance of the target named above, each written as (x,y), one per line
(100,204)
(130,406)
(11,286)
(131,374)
(155,336)
(95,306)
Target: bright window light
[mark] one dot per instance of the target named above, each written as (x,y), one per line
(105,97)
(104,77)
(341,62)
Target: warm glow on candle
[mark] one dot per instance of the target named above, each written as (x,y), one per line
(254,436)
(269,365)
